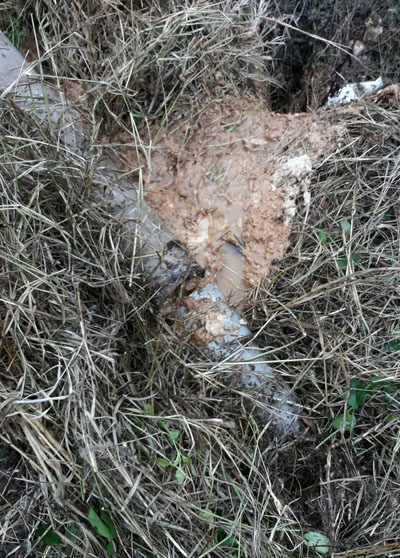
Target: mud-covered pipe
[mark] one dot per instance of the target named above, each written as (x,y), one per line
(166,264)
(226,335)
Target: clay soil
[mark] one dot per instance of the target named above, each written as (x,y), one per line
(227,184)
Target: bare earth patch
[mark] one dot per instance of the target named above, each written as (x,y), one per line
(226,184)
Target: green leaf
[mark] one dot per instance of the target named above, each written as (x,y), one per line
(206,514)
(50,537)
(174,434)
(345,225)
(180,476)
(110,548)
(106,518)
(393,346)
(322,237)
(98,525)
(358,393)
(40,531)
(163,462)
(318,542)
(350,422)
(223,540)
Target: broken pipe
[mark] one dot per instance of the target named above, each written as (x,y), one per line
(165,263)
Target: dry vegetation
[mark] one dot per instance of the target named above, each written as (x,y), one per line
(101,405)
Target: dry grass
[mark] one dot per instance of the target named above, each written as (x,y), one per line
(335,302)
(97,396)
(138,58)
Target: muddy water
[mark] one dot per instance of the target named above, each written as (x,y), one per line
(226,184)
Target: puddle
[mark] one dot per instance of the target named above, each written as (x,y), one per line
(226,184)
(230,278)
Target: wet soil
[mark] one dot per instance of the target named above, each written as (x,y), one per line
(226,184)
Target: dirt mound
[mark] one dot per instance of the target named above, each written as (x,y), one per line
(226,184)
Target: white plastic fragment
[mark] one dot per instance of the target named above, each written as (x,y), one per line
(354,92)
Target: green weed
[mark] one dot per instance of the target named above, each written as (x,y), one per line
(47,536)
(103,525)
(318,542)
(358,393)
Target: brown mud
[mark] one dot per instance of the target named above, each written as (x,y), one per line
(226,184)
